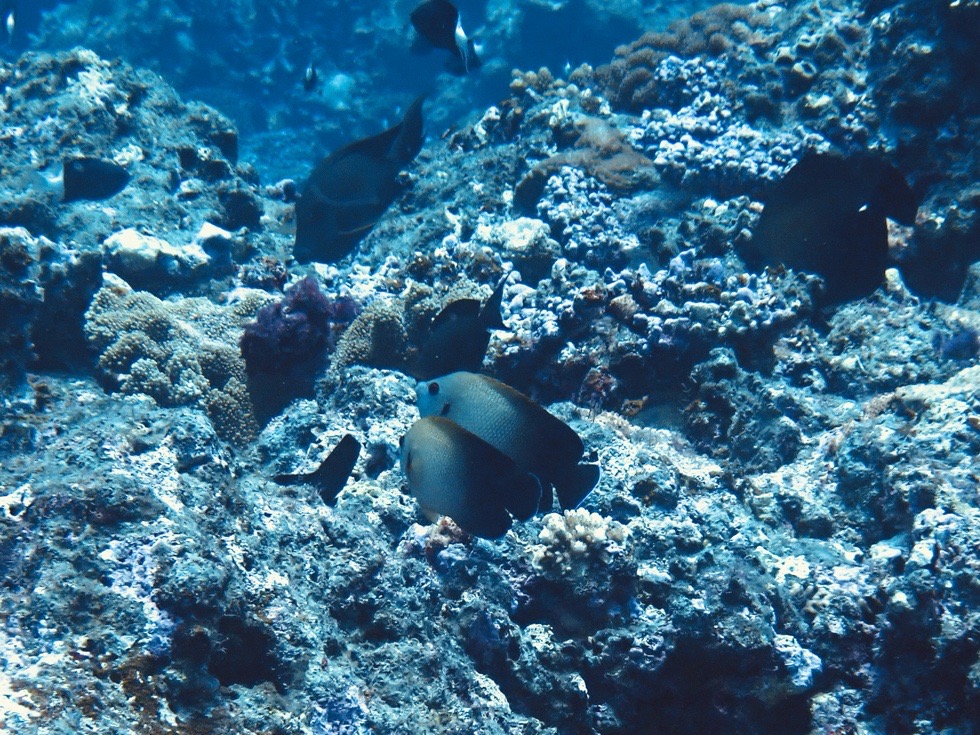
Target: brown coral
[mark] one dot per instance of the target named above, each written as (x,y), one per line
(629,81)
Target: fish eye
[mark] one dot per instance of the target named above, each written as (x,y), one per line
(445,409)
(433,388)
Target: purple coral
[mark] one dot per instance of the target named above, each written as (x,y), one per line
(294,329)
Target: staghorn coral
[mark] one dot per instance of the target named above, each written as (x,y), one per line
(177,352)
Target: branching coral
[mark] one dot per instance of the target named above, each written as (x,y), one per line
(584,571)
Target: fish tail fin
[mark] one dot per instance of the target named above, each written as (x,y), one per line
(575,485)
(48,184)
(897,199)
(410,136)
(523,497)
(490,313)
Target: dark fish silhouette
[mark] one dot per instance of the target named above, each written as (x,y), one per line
(437,21)
(310,77)
(460,334)
(92,178)
(518,427)
(827,216)
(452,472)
(9,21)
(351,188)
(332,474)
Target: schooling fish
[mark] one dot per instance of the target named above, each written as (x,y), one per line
(460,334)
(332,474)
(827,216)
(535,440)
(452,472)
(351,188)
(438,22)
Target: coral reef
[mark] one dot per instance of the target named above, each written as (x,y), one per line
(178,354)
(785,536)
(584,573)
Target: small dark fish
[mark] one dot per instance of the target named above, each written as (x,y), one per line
(310,77)
(460,334)
(827,216)
(332,474)
(92,178)
(961,345)
(351,188)
(438,22)
(452,472)
(518,427)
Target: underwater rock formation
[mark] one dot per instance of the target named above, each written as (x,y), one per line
(785,535)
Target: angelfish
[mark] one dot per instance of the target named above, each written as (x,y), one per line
(536,441)
(438,22)
(452,472)
(351,188)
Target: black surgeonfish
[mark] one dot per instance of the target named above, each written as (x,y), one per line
(827,216)
(452,472)
(518,427)
(437,21)
(460,334)
(92,178)
(351,188)
(332,474)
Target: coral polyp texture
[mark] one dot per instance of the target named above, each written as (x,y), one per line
(785,533)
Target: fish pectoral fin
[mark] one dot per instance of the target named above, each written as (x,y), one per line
(357,230)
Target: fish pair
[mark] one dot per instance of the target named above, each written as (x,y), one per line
(485,454)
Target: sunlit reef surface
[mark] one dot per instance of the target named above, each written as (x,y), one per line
(786,536)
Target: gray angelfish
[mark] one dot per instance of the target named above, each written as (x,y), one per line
(452,472)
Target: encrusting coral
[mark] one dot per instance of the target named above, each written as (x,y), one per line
(178,353)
